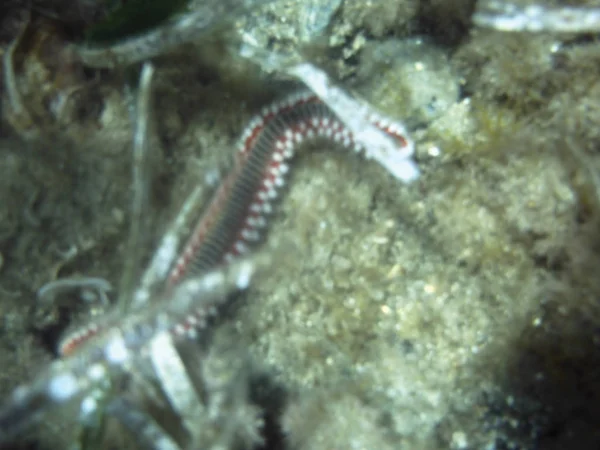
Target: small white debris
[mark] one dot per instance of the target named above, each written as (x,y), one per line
(434,151)
(116,351)
(89,405)
(97,372)
(459,440)
(62,387)
(244,276)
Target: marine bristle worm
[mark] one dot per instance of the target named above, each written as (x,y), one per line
(237,215)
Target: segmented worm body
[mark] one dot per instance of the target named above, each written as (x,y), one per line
(237,214)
